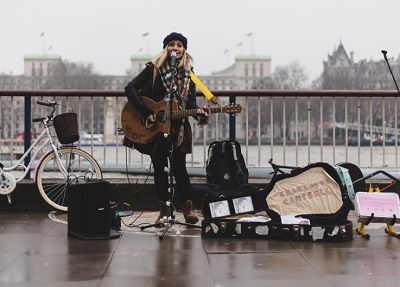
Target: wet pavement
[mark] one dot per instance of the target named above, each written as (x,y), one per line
(36,251)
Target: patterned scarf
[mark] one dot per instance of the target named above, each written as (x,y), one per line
(180,86)
(180,89)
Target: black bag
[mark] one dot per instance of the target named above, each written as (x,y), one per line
(225,165)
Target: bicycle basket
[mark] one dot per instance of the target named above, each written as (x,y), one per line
(66,126)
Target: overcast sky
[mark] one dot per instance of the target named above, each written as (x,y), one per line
(107,32)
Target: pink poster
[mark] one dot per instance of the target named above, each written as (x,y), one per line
(381,204)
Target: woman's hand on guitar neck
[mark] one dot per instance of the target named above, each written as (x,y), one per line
(202,116)
(150,121)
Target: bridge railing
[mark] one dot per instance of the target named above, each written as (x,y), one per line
(292,127)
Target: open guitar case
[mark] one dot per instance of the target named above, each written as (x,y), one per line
(316,193)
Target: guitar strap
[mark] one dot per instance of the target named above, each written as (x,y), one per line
(203,88)
(155,72)
(181,126)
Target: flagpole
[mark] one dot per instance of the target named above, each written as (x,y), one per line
(43,43)
(226,52)
(251,42)
(252,51)
(145,35)
(240,44)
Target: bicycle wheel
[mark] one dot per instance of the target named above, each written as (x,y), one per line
(52,182)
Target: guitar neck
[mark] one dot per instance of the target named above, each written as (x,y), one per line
(193,112)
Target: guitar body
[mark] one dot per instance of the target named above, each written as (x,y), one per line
(131,121)
(135,131)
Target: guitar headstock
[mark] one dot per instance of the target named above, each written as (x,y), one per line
(232,109)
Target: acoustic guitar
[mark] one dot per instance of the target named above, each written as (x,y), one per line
(137,132)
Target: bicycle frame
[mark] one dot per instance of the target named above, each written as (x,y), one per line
(45,134)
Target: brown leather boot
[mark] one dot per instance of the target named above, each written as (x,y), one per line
(165,211)
(188,213)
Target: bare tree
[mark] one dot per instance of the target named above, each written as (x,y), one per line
(287,77)
(290,77)
(71,75)
(80,76)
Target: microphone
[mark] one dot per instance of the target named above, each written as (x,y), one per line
(384,53)
(173,59)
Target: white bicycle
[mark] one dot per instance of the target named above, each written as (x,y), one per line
(59,166)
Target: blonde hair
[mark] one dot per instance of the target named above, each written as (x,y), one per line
(185,62)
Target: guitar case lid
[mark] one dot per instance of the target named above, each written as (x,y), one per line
(313,191)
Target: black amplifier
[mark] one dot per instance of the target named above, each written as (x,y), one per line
(89,210)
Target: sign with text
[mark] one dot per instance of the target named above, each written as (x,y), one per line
(382,204)
(311,192)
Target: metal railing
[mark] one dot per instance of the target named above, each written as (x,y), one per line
(293,127)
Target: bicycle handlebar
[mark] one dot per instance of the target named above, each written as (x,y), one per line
(51,105)
(38,120)
(47,104)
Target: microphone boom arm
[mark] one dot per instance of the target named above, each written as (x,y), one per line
(390,69)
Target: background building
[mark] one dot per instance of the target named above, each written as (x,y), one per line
(248,72)
(49,71)
(138,63)
(342,72)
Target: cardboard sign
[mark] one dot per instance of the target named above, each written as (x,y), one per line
(382,204)
(311,192)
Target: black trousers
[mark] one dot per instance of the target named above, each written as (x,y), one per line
(159,158)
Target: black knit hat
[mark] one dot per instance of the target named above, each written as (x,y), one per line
(175,36)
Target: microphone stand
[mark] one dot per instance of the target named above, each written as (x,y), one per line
(390,69)
(170,221)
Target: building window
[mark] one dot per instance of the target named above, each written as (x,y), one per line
(33,69)
(246,70)
(261,70)
(40,69)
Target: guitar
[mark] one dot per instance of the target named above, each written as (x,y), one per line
(137,132)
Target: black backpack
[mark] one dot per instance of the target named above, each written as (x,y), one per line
(225,165)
